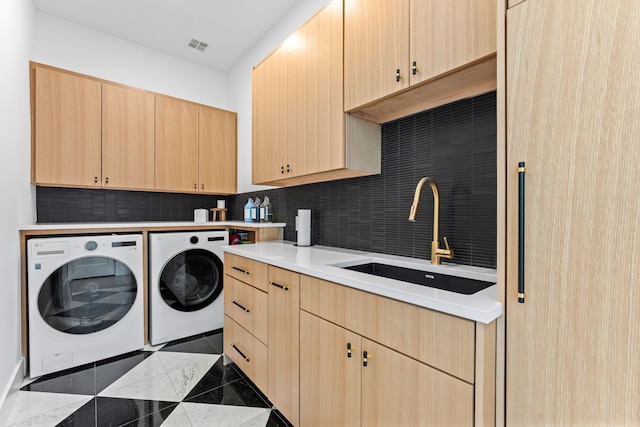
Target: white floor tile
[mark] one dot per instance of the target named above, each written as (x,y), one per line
(164,376)
(39,409)
(178,418)
(204,415)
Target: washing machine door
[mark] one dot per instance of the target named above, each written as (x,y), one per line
(191,280)
(87,295)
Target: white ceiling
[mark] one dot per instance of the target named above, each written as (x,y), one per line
(230,27)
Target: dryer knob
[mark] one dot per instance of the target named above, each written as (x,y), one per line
(193,239)
(90,245)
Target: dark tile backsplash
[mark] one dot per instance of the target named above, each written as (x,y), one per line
(454,144)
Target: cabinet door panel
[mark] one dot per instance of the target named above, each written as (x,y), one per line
(284,341)
(216,151)
(376,43)
(399,391)
(127,138)
(329,380)
(572,117)
(176,165)
(67,135)
(448,34)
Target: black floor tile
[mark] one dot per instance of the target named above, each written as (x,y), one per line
(237,393)
(107,412)
(195,344)
(217,376)
(89,379)
(216,339)
(276,419)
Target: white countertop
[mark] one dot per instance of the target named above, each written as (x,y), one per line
(150,224)
(319,261)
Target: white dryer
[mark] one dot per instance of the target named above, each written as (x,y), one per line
(186,284)
(84,298)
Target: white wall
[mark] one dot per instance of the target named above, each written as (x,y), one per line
(16,45)
(240,81)
(67,45)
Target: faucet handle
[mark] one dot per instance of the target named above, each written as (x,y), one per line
(446,243)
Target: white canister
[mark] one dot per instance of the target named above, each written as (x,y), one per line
(200,216)
(303,227)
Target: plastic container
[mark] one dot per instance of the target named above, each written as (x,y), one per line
(248,210)
(266,212)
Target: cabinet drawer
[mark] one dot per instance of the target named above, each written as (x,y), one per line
(247,352)
(246,270)
(440,340)
(247,306)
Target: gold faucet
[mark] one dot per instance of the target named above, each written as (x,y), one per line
(436,251)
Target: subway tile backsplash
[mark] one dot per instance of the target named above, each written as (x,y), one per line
(454,144)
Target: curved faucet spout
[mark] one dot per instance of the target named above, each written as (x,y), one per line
(436,251)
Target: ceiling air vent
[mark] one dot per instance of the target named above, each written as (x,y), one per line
(197,44)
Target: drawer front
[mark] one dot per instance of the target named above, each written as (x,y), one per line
(247,306)
(440,340)
(247,352)
(246,270)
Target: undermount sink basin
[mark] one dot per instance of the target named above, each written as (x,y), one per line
(445,282)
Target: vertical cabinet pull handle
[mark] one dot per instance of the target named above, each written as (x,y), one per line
(397,74)
(349,348)
(278,285)
(106,180)
(246,359)
(203,186)
(282,169)
(365,358)
(521,172)
(195,186)
(414,68)
(240,270)
(95,179)
(246,310)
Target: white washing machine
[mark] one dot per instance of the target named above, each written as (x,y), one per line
(85,299)
(186,284)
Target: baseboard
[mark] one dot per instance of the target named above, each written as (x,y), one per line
(8,397)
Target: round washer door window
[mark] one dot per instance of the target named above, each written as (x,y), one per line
(87,295)
(191,280)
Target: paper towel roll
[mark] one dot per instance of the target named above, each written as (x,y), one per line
(303,227)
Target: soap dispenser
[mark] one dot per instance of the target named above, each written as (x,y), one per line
(266,214)
(248,209)
(255,212)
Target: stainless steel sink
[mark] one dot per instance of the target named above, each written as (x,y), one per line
(445,282)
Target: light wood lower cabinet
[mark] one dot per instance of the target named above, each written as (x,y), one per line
(423,367)
(284,341)
(391,389)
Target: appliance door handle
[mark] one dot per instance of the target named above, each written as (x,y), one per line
(521,172)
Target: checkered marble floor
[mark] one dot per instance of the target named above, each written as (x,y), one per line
(180,384)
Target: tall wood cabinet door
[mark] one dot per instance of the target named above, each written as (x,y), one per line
(448,34)
(217,151)
(399,391)
(127,138)
(176,156)
(376,44)
(330,380)
(572,117)
(324,115)
(67,126)
(284,341)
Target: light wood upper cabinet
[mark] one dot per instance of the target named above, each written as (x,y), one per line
(195,148)
(376,49)
(217,150)
(406,56)
(91,133)
(448,34)
(300,131)
(66,147)
(127,138)
(176,156)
